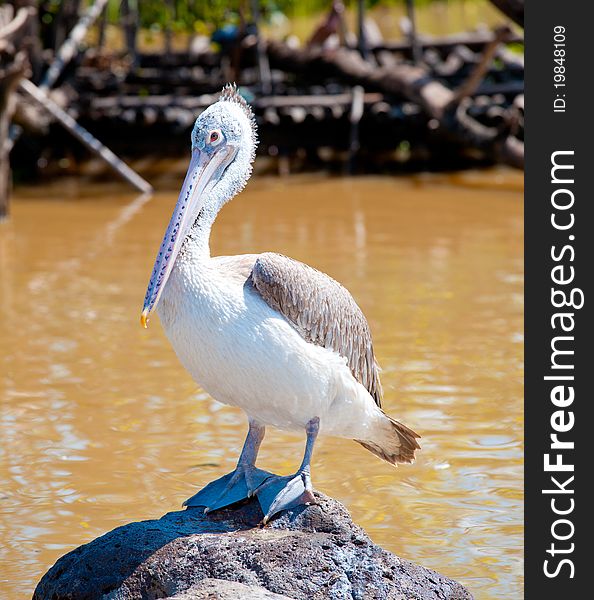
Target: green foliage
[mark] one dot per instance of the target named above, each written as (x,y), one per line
(207,15)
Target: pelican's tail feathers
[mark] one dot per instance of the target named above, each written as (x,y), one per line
(394,443)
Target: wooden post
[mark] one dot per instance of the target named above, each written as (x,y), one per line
(168,37)
(64,21)
(101,28)
(30,39)
(13,66)
(130,23)
(362,42)
(9,79)
(263,64)
(357,106)
(412,34)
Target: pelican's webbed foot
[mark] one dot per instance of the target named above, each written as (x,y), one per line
(229,489)
(241,483)
(281,493)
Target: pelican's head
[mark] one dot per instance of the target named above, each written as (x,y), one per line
(223,148)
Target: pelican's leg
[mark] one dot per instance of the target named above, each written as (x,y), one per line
(280,493)
(239,484)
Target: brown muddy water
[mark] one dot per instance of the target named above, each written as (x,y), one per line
(100,425)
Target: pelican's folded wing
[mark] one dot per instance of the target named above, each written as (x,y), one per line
(321,310)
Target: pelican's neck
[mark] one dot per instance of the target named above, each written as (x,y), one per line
(197,242)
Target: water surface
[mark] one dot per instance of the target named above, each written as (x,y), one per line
(100,424)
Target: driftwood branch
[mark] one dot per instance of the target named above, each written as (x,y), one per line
(12,27)
(405,80)
(449,109)
(474,41)
(456,100)
(80,133)
(468,88)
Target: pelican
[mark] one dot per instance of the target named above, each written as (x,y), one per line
(263,332)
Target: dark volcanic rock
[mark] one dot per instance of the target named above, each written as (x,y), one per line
(208,589)
(310,552)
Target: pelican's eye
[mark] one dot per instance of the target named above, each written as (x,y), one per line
(215,137)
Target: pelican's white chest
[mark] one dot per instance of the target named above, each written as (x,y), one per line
(241,351)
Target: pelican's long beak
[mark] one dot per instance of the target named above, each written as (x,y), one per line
(204,167)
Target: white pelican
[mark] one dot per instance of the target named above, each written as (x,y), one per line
(263,332)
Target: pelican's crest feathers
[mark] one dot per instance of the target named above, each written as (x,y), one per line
(230,93)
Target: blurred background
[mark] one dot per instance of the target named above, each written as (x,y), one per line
(391,157)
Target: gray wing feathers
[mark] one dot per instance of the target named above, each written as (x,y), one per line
(321,310)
